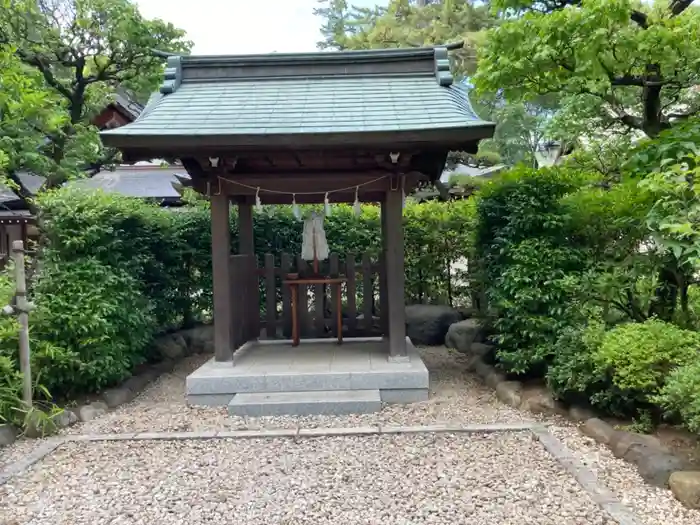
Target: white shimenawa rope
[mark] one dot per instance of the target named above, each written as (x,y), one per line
(295,209)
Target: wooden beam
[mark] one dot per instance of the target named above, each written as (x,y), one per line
(302,183)
(395,278)
(223,294)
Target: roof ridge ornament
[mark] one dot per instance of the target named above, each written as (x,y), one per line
(443,74)
(173,75)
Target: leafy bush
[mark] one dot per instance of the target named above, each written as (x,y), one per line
(525,261)
(98,321)
(638,357)
(572,376)
(168,253)
(680,396)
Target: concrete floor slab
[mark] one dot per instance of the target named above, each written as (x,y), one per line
(268,367)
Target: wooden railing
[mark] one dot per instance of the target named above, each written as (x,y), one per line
(362,315)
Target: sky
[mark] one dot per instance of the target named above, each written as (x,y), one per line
(243,26)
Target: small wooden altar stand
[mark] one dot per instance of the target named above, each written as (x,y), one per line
(294,285)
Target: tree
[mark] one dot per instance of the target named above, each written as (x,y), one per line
(83,50)
(406,24)
(617,64)
(28,114)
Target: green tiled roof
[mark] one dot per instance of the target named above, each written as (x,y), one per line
(230,100)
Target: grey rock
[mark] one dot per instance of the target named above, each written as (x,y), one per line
(8,435)
(117,396)
(468,312)
(37,425)
(579,413)
(509,392)
(65,418)
(163,367)
(636,451)
(482,349)
(482,369)
(540,401)
(656,468)
(463,334)
(91,411)
(622,441)
(685,486)
(136,384)
(599,430)
(472,362)
(494,378)
(171,346)
(200,340)
(428,324)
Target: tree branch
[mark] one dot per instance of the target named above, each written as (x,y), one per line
(640,19)
(678,6)
(626,80)
(36,62)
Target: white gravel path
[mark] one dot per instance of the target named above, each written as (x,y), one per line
(425,479)
(456,397)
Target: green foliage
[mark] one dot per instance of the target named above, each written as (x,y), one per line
(674,218)
(100,319)
(678,145)
(401,24)
(522,249)
(572,376)
(27,115)
(600,56)
(680,396)
(638,357)
(69,57)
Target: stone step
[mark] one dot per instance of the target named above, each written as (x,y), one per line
(311,403)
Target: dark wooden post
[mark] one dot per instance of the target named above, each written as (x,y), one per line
(383,298)
(246,242)
(395,278)
(221,258)
(249,297)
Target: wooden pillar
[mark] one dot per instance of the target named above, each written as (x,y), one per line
(395,277)
(383,271)
(221,282)
(246,242)
(250,296)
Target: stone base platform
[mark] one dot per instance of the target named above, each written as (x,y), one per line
(315,366)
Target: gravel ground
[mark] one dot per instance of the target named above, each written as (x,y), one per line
(431,479)
(456,397)
(654,506)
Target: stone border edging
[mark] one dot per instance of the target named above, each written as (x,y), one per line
(586,478)
(655,464)
(172,348)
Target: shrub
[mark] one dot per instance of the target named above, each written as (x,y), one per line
(525,261)
(167,253)
(638,357)
(98,321)
(572,376)
(680,396)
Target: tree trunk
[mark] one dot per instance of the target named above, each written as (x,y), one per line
(653,121)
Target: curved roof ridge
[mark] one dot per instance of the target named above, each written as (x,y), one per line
(363,63)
